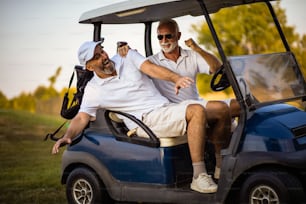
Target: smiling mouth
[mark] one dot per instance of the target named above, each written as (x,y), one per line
(107,67)
(105,62)
(165,44)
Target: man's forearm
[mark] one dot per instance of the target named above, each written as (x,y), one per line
(77,125)
(211,60)
(159,72)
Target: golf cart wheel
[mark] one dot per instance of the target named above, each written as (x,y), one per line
(271,187)
(84,187)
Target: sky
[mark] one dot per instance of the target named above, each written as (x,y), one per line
(38,36)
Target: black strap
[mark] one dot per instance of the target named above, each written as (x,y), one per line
(70,82)
(71,79)
(52,135)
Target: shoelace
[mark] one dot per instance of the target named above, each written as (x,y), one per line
(207,179)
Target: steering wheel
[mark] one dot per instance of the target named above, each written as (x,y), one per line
(219,83)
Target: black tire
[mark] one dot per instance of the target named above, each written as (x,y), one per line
(83,186)
(272,187)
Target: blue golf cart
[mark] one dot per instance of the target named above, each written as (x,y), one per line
(265,161)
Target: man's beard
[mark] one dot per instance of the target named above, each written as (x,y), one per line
(108,68)
(168,49)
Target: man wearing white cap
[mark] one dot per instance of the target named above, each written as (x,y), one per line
(120,84)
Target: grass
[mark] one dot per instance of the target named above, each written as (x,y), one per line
(28,171)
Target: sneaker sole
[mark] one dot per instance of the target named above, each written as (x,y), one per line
(195,188)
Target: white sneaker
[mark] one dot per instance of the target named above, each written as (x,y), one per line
(204,184)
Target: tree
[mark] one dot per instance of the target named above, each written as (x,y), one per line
(24,101)
(4,102)
(48,99)
(45,100)
(45,93)
(251,32)
(53,78)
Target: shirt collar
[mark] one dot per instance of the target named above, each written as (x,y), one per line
(161,55)
(102,81)
(183,53)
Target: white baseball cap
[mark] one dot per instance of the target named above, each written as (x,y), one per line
(87,50)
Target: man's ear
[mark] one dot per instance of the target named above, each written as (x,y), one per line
(179,35)
(89,67)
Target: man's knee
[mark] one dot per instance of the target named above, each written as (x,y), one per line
(217,109)
(235,108)
(195,110)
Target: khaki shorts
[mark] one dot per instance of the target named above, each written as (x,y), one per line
(167,121)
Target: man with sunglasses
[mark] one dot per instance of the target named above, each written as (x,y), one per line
(122,84)
(190,63)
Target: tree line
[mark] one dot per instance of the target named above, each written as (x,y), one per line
(44,99)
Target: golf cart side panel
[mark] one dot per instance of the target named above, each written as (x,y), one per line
(130,162)
(125,190)
(284,120)
(237,169)
(291,160)
(75,159)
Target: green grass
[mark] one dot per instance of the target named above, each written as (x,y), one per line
(28,171)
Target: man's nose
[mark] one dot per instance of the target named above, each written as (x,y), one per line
(104,55)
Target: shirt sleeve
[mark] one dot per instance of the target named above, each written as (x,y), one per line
(202,65)
(89,103)
(136,58)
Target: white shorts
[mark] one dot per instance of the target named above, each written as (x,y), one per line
(167,121)
(227,101)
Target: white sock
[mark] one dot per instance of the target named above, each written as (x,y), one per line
(198,167)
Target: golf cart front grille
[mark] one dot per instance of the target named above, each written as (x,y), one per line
(299,131)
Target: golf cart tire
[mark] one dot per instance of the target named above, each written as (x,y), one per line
(83,186)
(278,186)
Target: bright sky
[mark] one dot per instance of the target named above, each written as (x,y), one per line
(38,36)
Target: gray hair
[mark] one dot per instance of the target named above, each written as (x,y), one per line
(169,23)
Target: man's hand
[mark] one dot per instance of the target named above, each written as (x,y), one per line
(123,50)
(164,73)
(77,124)
(212,60)
(59,143)
(182,82)
(191,43)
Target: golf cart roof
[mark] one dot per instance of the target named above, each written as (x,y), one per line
(140,11)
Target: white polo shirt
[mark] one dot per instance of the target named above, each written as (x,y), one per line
(130,91)
(188,64)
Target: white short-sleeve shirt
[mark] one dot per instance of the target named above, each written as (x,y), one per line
(188,64)
(130,91)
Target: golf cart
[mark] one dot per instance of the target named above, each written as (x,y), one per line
(265,161)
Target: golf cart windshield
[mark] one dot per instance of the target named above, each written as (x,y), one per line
(267,78)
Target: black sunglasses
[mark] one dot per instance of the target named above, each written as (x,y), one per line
(167,36)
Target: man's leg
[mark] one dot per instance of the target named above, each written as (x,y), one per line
(234,108)
(196,131)
(196,134)
(219,120)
